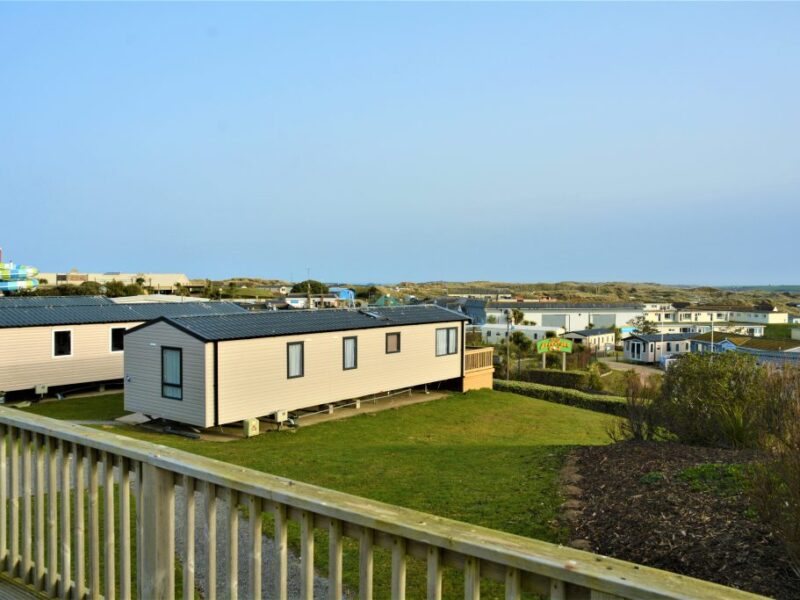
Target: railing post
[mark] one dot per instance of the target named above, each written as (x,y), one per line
(157,533)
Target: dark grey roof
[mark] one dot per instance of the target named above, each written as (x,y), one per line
(294,322)
(667,337)
(39,316)
(23,301)
(588,332)
(564,305)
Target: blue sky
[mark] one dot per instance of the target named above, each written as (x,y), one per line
(387,142)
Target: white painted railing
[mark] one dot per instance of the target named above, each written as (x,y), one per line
(80,544)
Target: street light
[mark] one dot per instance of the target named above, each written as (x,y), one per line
(508,343)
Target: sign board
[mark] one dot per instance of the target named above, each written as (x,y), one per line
(554,345)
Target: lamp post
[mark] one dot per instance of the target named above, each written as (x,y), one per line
(508,343)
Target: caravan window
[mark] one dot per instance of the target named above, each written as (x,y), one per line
(392,343)
(446,341)
(172,373)
(350,353)
(117,339)
(62,343)
(295,359)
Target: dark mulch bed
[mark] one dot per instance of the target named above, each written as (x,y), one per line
(663,521)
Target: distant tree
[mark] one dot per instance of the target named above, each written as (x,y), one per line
(140,281)
(643,326)
(87,288)
(316,287)
(517,316)
(115,289)
(491,320)
(133,289)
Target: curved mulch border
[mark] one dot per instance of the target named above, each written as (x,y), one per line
(665,523)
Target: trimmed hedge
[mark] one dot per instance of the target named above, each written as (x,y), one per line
(614,405)
(577,380)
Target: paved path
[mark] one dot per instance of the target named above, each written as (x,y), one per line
(643,370)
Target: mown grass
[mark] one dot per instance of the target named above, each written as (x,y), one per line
(106,407)
(486,458)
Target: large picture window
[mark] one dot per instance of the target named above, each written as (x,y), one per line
(117,339)
(446,341)
(172,373)
(295,359)
(62,343)
(392,343)
(350,353)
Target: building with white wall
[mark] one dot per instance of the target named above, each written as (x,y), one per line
(496,333)
(569,316)
(594,339)
(650,348)
(685,318)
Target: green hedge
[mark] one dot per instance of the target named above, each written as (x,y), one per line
(614,405)
(577,380)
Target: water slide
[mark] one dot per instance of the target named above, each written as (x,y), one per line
(14,278)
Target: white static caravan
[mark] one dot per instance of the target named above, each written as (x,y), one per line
(208,371)
(69,342)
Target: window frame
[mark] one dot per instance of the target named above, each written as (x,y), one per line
(448,351)
(172,385)
(289,360)
(399,341)
(355,352)
(53,344)
(111,339)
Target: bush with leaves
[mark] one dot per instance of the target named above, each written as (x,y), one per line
(638,422)
(776,485)
(713,400)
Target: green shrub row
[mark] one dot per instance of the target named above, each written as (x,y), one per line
(613,405)
(576,380)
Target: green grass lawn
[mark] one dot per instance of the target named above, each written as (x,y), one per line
(485,457)
(88,408)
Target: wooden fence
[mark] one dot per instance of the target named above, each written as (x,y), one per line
(52,473)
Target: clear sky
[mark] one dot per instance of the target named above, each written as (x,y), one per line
(387,142)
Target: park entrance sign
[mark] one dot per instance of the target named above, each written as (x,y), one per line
(554,345)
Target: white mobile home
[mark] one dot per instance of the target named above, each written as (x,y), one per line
(494,334)
(594,339)
(48,342)
(568,315)
(207,371)
(650,348)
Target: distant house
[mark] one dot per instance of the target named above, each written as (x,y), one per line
(595,339)
(299,300)
(474,308)
(213,370)
(162,283)
(725,341)
(650,348)
(53,341)
(569,316)
(496,333)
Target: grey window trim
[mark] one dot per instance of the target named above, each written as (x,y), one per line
(302,360)
(165,384)
(448,350)
(393,333)
(111,339)
(355,353)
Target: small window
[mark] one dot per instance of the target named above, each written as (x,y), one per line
(62,343)
(393,343)
(295,358)
(669,347)
(117,339)
(349,353)
(446,341)
(172,373)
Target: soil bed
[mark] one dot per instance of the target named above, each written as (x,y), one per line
(638,504)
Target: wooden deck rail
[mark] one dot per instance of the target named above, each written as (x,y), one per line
(478,358)
(61,551)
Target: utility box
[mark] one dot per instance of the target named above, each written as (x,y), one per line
(281,416)
(41,389)
(251,428)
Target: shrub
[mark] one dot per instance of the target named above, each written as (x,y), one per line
(713,400)
(576,380)
(606,404)
(776,486)
(638,423)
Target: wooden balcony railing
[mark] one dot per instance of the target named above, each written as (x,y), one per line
(478,358)
(86,513)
